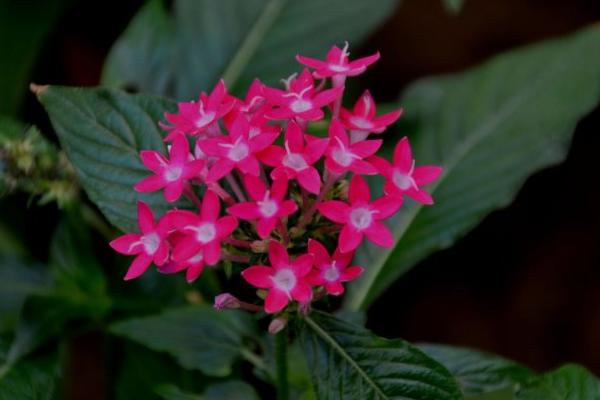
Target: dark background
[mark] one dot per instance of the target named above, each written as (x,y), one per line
(526,282)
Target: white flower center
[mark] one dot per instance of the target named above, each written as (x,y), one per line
(295,161)
(151,243)
(331,274)
(205,119)
(300,105)
(403,181)
(343,156)
(284,279)
(206,232)
(268,207)
(361,218)
(197,258)
(338,68)
(361,123)
(239,151)
(172,173)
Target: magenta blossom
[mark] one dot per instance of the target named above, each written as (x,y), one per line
(363,117)
(343,156)
(403,178)
(193,266)
(173,174)
(295,162)
(361,217)
(336,63)
(330,272)
(301,99)
(253,101)
(149,245)
(203,232)
(195,118)
(268,206)
(236,150)
(284,279)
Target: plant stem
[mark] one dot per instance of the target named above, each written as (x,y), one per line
(235,187)
(189,193)
(307,216)
(244,244)
(283,232)
(281,361)
(236,258)
(222,193)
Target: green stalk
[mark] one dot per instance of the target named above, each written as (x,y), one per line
(283,389)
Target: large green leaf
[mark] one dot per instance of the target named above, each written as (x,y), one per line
(229,390)
(240,40)
(479,373)
(490,128)
(197,336)
(349,362)
(29,380)
(570,382)
(102,132)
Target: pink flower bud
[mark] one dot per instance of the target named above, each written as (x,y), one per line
(226,301)
(277,325)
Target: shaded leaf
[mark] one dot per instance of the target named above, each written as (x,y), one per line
(29,380)
(197,336)
(490,128)
(453,6)
(240,40)
(230,390)
(570,382)
(102,132)
(479,373)
(349,362)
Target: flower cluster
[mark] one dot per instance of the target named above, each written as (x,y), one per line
(272,194)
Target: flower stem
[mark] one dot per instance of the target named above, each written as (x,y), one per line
(307,216)
(189,193)
(235,187)
(222,193)
(236,258)
(283,232)
(244,244)
(281,361)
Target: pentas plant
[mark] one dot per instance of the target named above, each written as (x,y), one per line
(287,207)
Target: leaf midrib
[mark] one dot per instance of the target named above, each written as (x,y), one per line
(337,347)
(360,301)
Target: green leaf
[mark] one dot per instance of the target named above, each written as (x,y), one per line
(29,380)
(18,280)
(349,362)
(230,390)
(197,336)
(454,6)
(102,132)
(490,128)
(507,393)
(570,382)
(240,40)
(478,373)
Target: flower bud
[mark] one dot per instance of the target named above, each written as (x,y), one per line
(277,325)
(226,301)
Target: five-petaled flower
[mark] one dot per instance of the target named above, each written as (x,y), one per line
(361,217)
(203,232)
(363,120)
(301,100)
(284,279)
(195,118)
(343,156)
(150,245)
(173,174)
(268,206)
(236,150)
(296,161)
(403,178)
(337,63)
(330,272)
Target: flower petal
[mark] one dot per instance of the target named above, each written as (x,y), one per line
(302,265)
(225,226)
(246,210)
(278,255)
(258,276)
(386,206)
(403,158)
(150,184)
(265,226)
(349,239)
(319,252)
(128,244)
(211,206)
(359,190)
(335,210)
(302,292)
(255,187)
(145,217)
(310,180)
(380,234)
(351,273)
(426,174)
(173,190)
(275,301)
(139,265)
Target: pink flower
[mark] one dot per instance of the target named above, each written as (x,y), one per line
(297,159)
(336,63)
(193,266)
(285,279)
(403,178)
(301,99)
(236,150)
(195,118)
(268,206)
(203,232)
(253,101)
(363,118)
(149,245)
(330,272)
(361,217)
(342,156)
(172,174)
